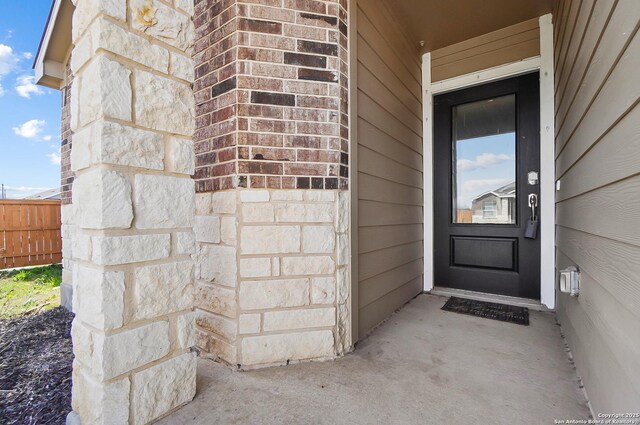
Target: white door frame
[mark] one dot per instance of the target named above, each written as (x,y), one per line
(544,64)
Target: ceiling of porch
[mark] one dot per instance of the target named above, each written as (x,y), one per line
(440,23)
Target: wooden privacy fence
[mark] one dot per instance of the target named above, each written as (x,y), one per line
(29,233)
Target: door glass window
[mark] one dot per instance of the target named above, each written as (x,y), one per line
(484,161)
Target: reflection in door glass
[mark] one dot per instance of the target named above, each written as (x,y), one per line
(484,161)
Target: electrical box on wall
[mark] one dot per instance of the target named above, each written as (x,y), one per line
(570,281)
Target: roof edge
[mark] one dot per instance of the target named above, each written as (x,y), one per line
(50,72)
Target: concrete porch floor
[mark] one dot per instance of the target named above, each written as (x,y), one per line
(422,366)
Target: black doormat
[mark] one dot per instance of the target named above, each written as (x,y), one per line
(495,311)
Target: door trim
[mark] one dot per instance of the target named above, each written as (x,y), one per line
(543,64)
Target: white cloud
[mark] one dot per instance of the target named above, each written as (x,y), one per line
(1,90)
(26,86)
(27,55)
(17,192)
(472,188)
(8,59)
(46,138)
(483,185)
(30,129)
(54,158)
(484,160)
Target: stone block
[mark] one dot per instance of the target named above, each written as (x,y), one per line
(163,23)
(105,198)
(258,213)
(182,67)
(270,239)
(254,195)
(80,247)
(268,349)
(163,104)
(99,297)
(82,53)
(105,91)
(185,243)
(207,229)
(181,158)
(274,294)
(342,215)
(249,323)
(343,250)
(255,267)
(299,319)
(113,38)
(203,203)
(163,289)
(343,329)
(318,239)
(286,195)
(74,110)
(217,300)
(304,213)
(186,5)
(228,230)
(87,10)
(130,349)
(186,330)
(162,387)
(224,202)
(215,347)
(219,325)
(323,290)
(319,196)
(111,143)
(113,355)
(164,201)
(218,264)
(343,285)
(98,402)
(308,266)
(112,250)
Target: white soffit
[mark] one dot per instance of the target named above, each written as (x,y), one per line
(54,46)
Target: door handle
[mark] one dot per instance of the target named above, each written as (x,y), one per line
(533,204)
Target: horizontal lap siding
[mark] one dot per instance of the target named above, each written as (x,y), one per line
(390,198)
(598,204)
(506,45)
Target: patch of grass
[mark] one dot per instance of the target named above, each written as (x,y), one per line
(30,290)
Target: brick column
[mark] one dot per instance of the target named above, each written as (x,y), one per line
(66,180)
(132,114)
(271,144)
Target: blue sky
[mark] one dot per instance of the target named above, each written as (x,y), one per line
(29,114)
(484,163)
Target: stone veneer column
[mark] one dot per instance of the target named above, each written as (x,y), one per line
(271,144)
(273,275)
(132,114)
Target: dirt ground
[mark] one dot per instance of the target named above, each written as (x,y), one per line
(35,368)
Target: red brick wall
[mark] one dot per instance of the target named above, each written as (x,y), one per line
(66,175)
(271,94)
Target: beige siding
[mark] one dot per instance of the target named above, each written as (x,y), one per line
(598,205)
(511,44)
(389,133)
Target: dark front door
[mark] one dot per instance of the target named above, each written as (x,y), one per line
(486,167)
